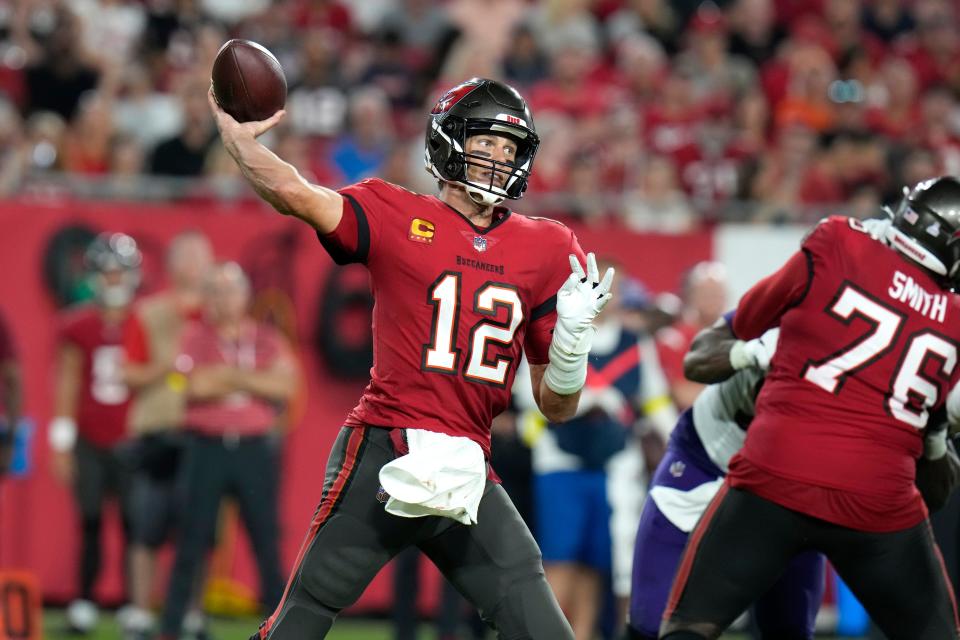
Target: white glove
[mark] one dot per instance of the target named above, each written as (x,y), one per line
(756,353)
(877,228)
(579,301)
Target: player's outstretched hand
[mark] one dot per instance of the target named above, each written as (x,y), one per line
(230,129)
(581,298)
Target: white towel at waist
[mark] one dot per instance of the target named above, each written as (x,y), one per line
(684,508)
(442,475)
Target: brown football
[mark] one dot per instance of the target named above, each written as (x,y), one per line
(248,82)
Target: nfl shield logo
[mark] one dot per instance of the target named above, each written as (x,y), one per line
(480,243)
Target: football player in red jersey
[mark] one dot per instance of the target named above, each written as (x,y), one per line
(869,337)
(90,404)
(463,286)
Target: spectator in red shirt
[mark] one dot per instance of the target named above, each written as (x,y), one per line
(704,300)
(895,113)
(239,372)
(90,405)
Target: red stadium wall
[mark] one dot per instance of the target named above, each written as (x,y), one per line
(37,525)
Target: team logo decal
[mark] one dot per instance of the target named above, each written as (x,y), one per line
(452,97)
(677,469)
(422,230)
(480,243)
(506,117)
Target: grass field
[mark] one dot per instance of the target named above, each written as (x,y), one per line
(240,629)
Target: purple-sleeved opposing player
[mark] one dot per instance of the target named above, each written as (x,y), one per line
(692,470)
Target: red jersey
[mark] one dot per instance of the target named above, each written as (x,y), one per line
(255,349)
(103,397)
(868,348)
(454,305)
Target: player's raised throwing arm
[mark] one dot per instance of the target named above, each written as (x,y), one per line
(274,180)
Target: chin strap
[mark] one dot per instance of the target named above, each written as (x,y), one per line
(480,196)
(914,250)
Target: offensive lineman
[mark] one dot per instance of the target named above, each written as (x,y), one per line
(867,352)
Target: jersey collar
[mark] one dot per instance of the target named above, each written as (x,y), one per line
(500,215)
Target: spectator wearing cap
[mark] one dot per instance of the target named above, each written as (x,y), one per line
(238,374)
(635,304)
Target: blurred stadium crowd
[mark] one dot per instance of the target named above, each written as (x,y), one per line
(664,113)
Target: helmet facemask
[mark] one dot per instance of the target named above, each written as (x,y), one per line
(118,293)
(514,173)
(479,107)
(113,261)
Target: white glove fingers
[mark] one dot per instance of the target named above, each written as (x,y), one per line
(593,273)
(606,283)
(576,268)
(602,301)
(570,284)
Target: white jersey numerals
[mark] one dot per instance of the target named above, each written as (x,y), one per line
(831,373)
(441,355)
(911,392)
(106,380)
(910,382)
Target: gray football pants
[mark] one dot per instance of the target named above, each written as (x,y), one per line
(495,563)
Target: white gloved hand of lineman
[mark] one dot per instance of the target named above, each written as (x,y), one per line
(581,298)
(756,353)
(877,228)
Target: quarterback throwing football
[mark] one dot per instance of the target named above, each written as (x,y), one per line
(463,286)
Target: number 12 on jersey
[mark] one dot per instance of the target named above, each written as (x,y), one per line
(911,392)
(442,355)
